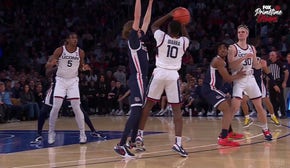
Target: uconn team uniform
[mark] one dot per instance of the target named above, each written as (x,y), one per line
(248,83)
(138,62)
(67,84)
(67,80)
(212,86)
(168,61)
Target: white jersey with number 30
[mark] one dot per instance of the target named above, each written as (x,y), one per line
(170,50)
(68,64)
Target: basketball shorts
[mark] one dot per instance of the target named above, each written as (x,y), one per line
(213,96)
(137,91)
(164,80)
(48,100)
(67,87)
(248,85)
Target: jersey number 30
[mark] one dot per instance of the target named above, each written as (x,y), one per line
(247,61)
(172,51)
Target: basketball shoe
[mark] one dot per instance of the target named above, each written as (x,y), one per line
(267,134)
(123,151)
(180,150)
(37,140)
(247,122)
(140,143)
(83,138)
(51,137)
(234,135)
(98,134)
(227,142)
(275,120)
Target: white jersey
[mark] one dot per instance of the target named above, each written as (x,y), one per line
(247,64)
(68,64)
(170,50)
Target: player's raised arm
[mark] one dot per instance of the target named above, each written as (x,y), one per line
(147,17)
(137,15)
(159,22)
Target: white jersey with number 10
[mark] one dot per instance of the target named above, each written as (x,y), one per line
(170,50)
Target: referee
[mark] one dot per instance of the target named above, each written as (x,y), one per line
(280,75)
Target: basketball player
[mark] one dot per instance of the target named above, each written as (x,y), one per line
(243,56)
(212,86)
(258,70)
(70,60)
(47,105)
(171,48)
(138,62)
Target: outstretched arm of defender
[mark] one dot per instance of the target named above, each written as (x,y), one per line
(137,15)
(147,17)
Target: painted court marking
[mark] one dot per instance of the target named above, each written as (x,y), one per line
(146,155)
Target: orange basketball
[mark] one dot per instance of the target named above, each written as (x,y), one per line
(181,15)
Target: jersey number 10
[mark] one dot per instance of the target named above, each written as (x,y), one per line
(172,51)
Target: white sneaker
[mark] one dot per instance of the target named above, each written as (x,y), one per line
(51,137)
(83,138)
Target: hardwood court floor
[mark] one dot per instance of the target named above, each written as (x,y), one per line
(200,137)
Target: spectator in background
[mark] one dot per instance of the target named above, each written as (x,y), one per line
(8,109)
(120,75)
(27,99)
(101,94)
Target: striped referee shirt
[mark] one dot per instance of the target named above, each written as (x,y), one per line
(277,69)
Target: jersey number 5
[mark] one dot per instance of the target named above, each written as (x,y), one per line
(172,51)
(69,63)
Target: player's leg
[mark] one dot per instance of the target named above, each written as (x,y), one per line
(269,106)
(245,108)
(44,111)
(172,91)
(255,96)
(223,139)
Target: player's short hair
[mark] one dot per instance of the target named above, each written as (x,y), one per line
(175,27)
(218,45)
(244,26)
(70,34)
(126,29)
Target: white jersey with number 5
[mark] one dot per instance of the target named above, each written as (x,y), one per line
(68,64)
(170,50)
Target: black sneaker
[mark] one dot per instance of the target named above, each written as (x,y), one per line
(98,135)
(123,151)
(180,150)
(37,140)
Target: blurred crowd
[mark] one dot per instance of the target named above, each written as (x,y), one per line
(31,30)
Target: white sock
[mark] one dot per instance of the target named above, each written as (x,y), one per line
(178,140)
(272,115)
(247,116)
(265,127)
(140,133)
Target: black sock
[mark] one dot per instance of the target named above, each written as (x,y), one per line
(230,128)
(224,133)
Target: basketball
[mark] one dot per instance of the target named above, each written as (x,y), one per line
(181,15)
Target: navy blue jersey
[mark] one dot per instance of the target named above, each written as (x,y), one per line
(139,58)
(213,79)
(258,75)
